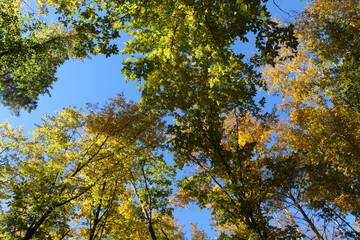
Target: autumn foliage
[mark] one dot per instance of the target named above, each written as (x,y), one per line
(105,172)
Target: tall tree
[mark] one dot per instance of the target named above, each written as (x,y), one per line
(71,179)
(182,56)
(321,95)
(188,69)
(31,51)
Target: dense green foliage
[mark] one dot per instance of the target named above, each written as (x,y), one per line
(101,174)
(31,50)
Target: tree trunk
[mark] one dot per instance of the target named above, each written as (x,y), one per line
(306,217)
(151,230)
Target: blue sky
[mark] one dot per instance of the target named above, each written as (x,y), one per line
(97,79)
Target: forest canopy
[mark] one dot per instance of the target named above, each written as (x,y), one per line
(105,173)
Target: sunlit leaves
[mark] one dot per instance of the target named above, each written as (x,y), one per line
(319,94)
(77,182)
(105,168)
(31,51)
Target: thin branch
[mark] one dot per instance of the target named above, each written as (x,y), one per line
(281,9)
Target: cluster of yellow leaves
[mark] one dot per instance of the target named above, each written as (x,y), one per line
(239,230)
(251,130)
(331,28)
(81,172)
(329,138)
(66,5)
(322,128)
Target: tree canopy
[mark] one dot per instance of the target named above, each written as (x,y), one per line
(31,51)
(100,173)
